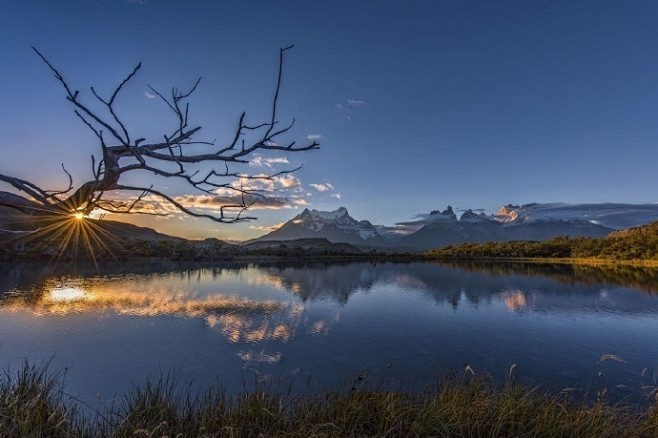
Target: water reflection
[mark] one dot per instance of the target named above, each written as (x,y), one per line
(332,320)
(475,284)
(68,294)
(514,300)
(518,286)
(103,296)
(323,281)
(239,329)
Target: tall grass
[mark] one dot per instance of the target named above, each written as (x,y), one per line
(33,403)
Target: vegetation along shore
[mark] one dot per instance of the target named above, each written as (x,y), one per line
(636,245)
(34,402)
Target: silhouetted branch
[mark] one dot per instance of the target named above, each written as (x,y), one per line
(179,149)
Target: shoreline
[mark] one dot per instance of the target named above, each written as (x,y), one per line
(330,258)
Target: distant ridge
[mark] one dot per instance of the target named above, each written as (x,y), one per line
(442,228)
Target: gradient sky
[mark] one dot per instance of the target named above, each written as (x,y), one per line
(419,104)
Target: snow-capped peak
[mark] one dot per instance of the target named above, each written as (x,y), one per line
(316,220)
(327,215)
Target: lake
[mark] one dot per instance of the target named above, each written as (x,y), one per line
(317,326)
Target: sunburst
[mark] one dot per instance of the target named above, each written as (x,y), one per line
(67,234)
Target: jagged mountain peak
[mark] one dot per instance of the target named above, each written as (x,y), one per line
(336,226)
(340,212)
(447,214)
(470,216)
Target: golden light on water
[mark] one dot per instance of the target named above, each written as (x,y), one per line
(79,297)
(67,294)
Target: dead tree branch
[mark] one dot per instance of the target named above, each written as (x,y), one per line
(178,154)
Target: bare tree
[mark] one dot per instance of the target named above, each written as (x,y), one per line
(177,155)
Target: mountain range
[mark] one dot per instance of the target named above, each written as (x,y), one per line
(338,232)
(441,228)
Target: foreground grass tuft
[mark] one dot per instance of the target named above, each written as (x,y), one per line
(33,403)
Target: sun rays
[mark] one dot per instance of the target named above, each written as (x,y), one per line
(66,235)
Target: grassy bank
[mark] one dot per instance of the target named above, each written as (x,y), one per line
(34,403)
(636,246)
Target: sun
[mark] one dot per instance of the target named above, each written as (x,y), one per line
(79,216)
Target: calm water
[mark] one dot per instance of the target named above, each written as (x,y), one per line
(316,326)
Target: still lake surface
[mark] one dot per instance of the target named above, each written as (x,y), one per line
(318,325)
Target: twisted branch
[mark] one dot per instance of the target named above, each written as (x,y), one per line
(180,149)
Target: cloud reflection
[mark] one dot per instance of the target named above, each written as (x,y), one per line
(240,329)
(70,299)
(514,300)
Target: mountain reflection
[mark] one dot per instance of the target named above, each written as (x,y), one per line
(243,318)
(518,287)
(323,281)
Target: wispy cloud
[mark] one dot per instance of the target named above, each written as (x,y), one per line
(336,195)
(267,227)
(260,161)
(356,103)
(149,95)
(346,110)
(314,137)
(323,187)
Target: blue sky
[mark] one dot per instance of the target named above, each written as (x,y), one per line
(419,104)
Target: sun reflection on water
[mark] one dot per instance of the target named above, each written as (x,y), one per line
(67,294)
(241,320)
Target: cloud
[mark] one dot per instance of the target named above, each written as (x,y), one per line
(267,227)
(402,229)
(323,187)
(356,103)
(346,110)
(314,137)
(336,195)
(210,202)
(288,181)
(300,201)
(150,95)
(260,161)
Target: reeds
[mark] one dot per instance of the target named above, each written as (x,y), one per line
(33,403)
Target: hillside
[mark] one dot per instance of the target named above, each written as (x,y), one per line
(32,237)
(638,243)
